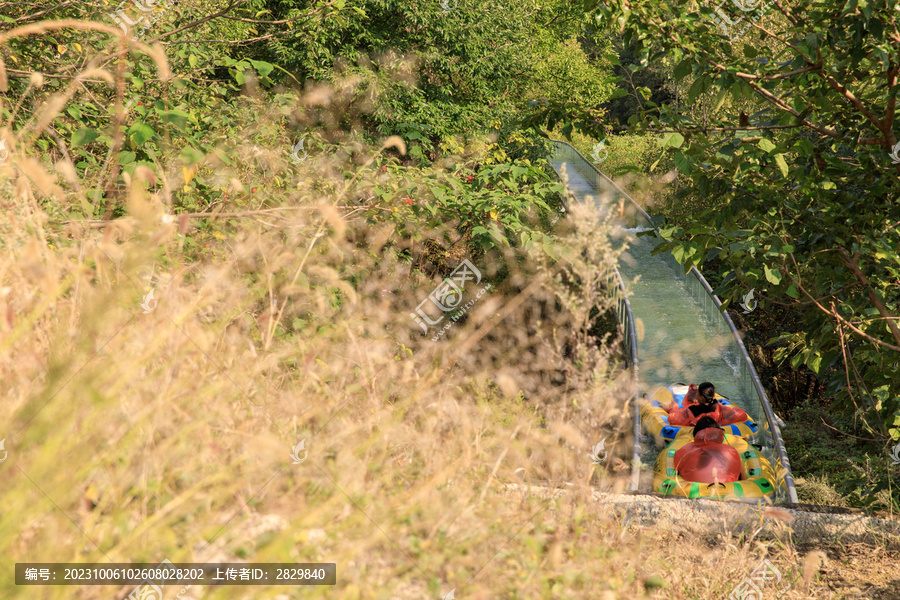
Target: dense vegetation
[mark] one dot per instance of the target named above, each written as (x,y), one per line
(786,137)
(294,173)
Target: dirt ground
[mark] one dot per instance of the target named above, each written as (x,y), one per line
(861,571)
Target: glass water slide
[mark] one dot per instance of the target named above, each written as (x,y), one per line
(672,324)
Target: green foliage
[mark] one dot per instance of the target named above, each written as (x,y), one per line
(800,194)
(635,153)
(641,85)
(838,470)
(564,71)
(187,112)
(497,205)
(432,75)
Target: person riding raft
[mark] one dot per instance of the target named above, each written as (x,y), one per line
(702,401)
(707,459)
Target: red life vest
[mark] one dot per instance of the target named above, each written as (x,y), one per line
(707,459)
(723,415)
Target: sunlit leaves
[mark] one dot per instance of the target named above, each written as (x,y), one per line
(798,165)
(501,204)
(772,275)
(673,140)
(782,164)
(766,145)
(262,67)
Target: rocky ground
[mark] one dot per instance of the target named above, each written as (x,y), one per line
(860,554)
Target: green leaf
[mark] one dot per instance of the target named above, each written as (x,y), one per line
(779,159)
(701,84)
(673,140)
(126,157)
(191,156)
(223,156)
(720,98)
(140,133)
(814,362)
(766,145)
(262,67)
(84,136)
(682,69)
(175,116)
(683,163)
(792,291)
(772,275)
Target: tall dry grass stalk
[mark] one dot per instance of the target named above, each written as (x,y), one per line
(137,435)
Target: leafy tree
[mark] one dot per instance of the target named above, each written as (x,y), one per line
(806,187)
(219,92)
(444,70)
(639,83)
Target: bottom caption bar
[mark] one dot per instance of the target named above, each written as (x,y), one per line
(168,573)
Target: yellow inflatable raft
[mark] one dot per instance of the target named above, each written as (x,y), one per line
(656,420)
(758,478)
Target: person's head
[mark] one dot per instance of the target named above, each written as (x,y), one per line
(706,393)
(705,422)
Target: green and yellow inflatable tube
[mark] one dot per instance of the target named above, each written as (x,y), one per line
(656,420)
(757,483)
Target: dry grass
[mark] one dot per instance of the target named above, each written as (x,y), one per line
(136,436)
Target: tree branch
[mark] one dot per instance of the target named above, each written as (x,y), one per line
(234,3)
(838,317)
(705,129)
(849,357)
(42,13)
(853,265)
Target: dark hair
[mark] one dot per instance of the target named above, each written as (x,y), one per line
(707,390)
(705,422)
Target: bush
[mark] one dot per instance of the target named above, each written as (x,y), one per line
(816,489)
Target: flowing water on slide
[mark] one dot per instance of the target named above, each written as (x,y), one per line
(681,336)
(680,343)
